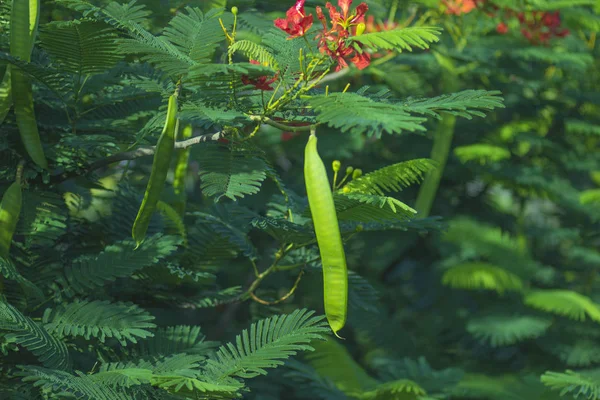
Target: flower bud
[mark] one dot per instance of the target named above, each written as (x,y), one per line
(234,10)
(359,228)
(357,173)
(336,165)
(349,170)
(360,29)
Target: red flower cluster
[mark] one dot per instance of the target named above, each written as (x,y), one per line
(262,82)
(331,41)
(541,26)
(296,22)
(537,26)
(458,7)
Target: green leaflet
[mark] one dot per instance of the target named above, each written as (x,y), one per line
(10,208)
(160,166)
(329,238)
(23,26)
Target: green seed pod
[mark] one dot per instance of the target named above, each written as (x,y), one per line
(360,28)
(349,170)
(336,165)
(329,238)
(160,165)
(23,27)
(357,173)
(234,10)
(10,208)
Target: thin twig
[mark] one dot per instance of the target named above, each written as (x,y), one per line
(283,298)
(139,152)
(331,77)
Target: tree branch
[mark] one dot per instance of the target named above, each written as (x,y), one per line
(139,152)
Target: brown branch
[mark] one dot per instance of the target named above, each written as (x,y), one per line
(139,152)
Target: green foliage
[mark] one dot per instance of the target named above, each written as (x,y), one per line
(492,297)
(478,275)
(574,383)
(368,116)
(391,178)
(101,319)
(400,39)
(265,344)
(504,330)
(23,331)
(117,261)
(81,47)
(231,173)
(483,153)
(564,302)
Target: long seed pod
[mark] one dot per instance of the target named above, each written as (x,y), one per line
(5,95)
(10,208)
(329,238)
(23,27)
(160,166)
(182,157)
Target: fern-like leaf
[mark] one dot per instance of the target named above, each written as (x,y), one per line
(118,260)
(254,51)
(196,34)
(503,330)
(567,303)
(482,153)
(25,332)
(585,383)
(230,173)
(65,385)
(400,39)
(81,47)
(465,104)
(391,178)
(402,389)
(266,344)
(351,112)
(583,353)
(184,339)
(101,319)
(371,208)
(478,275)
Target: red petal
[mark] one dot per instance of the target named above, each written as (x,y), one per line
(345,6)
(362,60)
(360,13)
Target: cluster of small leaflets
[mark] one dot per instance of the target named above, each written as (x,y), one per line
(536,26)
(332,39)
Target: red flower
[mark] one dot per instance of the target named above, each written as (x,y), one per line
(458,7)
(262,82)
(296,23)
(502,28)
(551,20)
(343,18)
(285,136)
(361,60)
(333,41)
